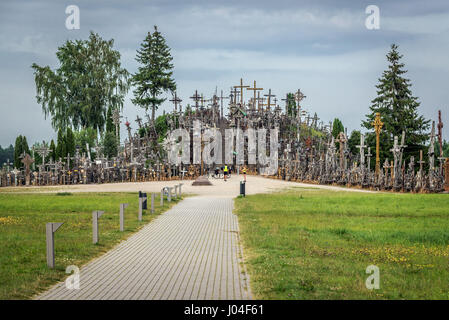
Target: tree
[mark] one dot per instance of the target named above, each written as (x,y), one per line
(337,127)
(61,150)
(21,146)
(154,75)
(70,142)
(85,136)
(52,150)
(109,145)
(291,105)
(398,109)
(6,154)
(110,127)
(89,79)
(354,141)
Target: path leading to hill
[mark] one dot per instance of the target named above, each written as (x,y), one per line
(191,251)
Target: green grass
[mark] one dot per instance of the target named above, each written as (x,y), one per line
(23,270)
(315,244)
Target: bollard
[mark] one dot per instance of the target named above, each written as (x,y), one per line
(140,209)
(180,192)
(162,197)
(51,228)
(95,216)
(176,192)
(169,194)
(123,206)
(242,188)
(152,203)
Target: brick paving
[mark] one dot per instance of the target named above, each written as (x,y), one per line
(191,251)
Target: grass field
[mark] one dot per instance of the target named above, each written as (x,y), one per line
(315,244)
(23,270)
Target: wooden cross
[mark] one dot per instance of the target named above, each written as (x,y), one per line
(342,140)
(196,98)
(368,155)
(221,103)
(269,95)
(254,89)
(440,133)
(378,124)
(175,100)
(421,161)
(241,87)
(362,147)
(27,161)
(43,152)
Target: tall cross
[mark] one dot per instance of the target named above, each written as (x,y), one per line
(241,87)
(27,161)
(43,152)
(286,103)
(221,103)
(362,147)
(269,95)
(378,124)
(196,98)
(342,140)
(254,89)
(440,133)
(368,155)
(299,96)
(175,100)
(421,161)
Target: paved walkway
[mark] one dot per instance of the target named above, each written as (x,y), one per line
(190,252)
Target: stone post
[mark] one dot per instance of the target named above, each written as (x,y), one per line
(152,202)
(123,206)
(140,209)
(51,228)
(95,216)
(169,194)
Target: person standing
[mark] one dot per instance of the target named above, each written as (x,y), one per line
(225,171)
(244,173)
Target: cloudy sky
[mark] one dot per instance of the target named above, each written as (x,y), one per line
(321,47)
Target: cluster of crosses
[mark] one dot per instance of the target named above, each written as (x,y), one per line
(307,150)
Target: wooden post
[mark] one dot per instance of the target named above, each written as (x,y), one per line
(123,206)
(51,228)
(162,197)
(95,216)
(152,202)
(140,209)
(377,123)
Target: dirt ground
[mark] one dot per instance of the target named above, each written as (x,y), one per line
(220,188)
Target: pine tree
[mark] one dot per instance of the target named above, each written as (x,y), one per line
(398,109)
(70,142)
(52,150)
(154,76)
(18,152)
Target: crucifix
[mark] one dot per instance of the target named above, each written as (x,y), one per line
(342,140)
(241,87)
(378,124)
(43,152)
(27,161)
(254,89)
(299,96)
(369,155)
(362,147)
(268,104)
(196,98)
(175,100)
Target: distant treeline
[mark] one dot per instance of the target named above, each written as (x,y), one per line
(5,154)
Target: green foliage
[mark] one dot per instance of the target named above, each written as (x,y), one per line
(83,136)
(61,150)
(7,154)
(89,79)
(70,142)
(161,126)
(398,109)
(354,141)
(110,127)
(446,148)
(52,150)
(291,105)
(154,74)
(337,127)
(20,147)
(110,145)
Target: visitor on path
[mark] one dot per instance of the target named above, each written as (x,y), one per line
(244,173)
(225,171)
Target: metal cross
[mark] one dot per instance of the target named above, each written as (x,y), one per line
(175,100)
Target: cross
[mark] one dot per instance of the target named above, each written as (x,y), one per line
(286,103)
(254,89)
(269,95)
(27,161)
(342,140)
(421,161)
(378,124)
(362,147)
(7,164)
(196,98)
(440,133)
(221,102)
(43,152)
(368,155)
(175,100)
(241,87)
(299,96)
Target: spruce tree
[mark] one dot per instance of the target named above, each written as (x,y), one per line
(18,152)
(154,74)
(52,150)
(398,109)
(70,142)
